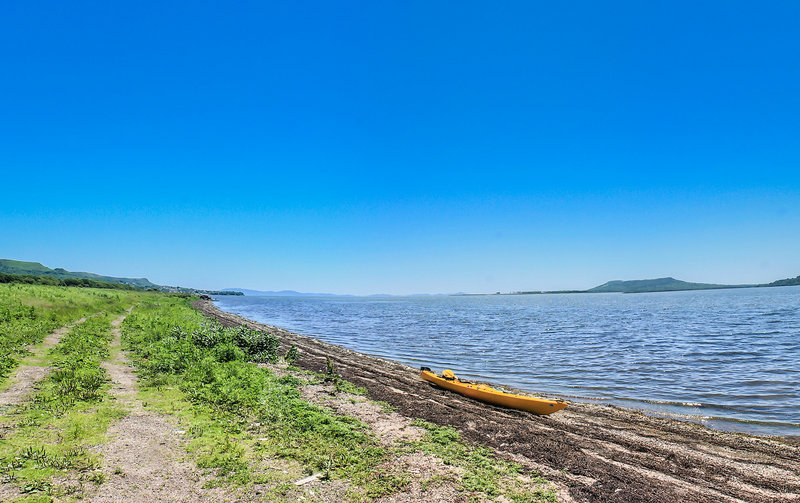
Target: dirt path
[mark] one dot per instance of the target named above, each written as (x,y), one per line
(597,453)
(27,375)
(143,461)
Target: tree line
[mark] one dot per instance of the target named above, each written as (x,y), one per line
(29,279)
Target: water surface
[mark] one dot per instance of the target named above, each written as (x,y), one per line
(727,358)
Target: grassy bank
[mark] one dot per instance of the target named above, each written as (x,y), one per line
(241,417)
(29,312)
(46,453)
(243,412)
(201,371)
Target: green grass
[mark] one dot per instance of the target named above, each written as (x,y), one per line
(483,472)
(244,425)
(240,417)
(482,469)
(204,369)
(19,267)
(70,411)
(29,312)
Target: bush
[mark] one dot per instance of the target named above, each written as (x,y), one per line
(260,346)
(209,364)
(228,352)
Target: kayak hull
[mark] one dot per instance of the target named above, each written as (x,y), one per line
(486,394)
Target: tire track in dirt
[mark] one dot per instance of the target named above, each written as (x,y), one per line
(26,376)
(600,453)
(144,459)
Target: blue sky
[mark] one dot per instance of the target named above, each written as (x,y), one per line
(402,147)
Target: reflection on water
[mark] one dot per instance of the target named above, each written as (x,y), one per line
(728,358)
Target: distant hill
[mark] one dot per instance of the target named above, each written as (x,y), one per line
(674,285)
(36,269)
(656,285)
(785,282)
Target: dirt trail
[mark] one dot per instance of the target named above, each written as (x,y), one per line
(26,376)
(144,458)
(598,453)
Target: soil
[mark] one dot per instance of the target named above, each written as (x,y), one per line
(26,376)
(593,452)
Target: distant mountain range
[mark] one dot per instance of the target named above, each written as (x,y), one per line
(616,286)
(292,293)
(675,285)
(280,293)
(656,285)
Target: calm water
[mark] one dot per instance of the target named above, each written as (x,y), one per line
(727,358)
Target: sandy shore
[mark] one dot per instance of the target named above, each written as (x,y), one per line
(595,452)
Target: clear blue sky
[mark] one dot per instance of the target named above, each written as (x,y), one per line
(402,147)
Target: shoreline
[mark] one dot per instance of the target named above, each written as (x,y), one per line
(596,452)
(752,416)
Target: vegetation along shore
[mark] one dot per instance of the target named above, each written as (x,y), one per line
(109,394)
(118,394)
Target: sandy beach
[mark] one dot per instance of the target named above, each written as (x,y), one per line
(593,452)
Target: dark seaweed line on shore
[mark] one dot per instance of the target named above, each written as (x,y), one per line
(611,446)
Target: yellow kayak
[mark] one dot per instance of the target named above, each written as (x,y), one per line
(488,394)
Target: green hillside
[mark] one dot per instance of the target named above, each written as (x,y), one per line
(785,282)
(36,269)
(655,285)
(19,267)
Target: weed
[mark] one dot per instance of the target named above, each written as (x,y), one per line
(292,354)
(97,478)
(436,480)
(36,486)
(68,411)
(331,372)
(483,472)
(383,483)
(29,312)
(538,495)
(173,344)
(386,406)
(332,376)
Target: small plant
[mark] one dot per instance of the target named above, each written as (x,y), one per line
(331,373)
(97,478)
(383,483)
(292,354)
(483,471)
(36,486)
(538,495)
(386,406)
(34,453)
(343,386)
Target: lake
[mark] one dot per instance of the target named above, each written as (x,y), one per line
(729,359)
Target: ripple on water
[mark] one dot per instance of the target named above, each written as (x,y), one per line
(727,358)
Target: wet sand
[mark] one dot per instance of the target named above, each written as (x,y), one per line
(595,452)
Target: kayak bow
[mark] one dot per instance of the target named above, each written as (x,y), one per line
(488,394)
